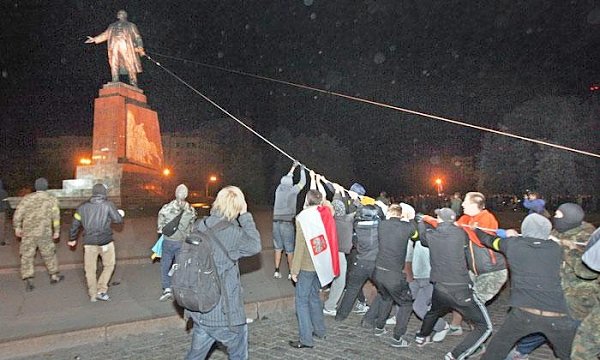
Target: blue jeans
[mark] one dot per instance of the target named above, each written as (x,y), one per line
(169,249)
(234,339)
(284,236)
(309,308)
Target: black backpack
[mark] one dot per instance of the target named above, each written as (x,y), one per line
(194,279)
(369,213)
(171,227)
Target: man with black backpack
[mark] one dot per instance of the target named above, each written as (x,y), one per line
(175,221)
(232,235)
(367,246)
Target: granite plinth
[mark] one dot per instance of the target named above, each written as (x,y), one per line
(126,130)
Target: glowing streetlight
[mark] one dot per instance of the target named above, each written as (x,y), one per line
(166,172)
(438,186)
(213,179)
(85,161)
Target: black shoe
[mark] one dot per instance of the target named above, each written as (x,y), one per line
(55,279)
(320,337)
(298,345)
(29,285)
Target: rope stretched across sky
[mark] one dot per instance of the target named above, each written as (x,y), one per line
(321,177)
(354,98)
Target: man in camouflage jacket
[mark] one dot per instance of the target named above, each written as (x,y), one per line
(37,223)
(581,285)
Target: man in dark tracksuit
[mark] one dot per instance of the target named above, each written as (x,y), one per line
(392,287)
(452,288)
(361,270)
(537,299)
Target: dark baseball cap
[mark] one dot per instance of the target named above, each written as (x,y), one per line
(446,214)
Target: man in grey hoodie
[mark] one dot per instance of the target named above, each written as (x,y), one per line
(284,211)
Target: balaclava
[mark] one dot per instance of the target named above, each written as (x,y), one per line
(572,217)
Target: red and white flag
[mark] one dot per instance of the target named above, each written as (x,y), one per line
(318,227)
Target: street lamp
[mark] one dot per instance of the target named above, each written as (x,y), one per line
(166,172)
(213,179)
(438,185)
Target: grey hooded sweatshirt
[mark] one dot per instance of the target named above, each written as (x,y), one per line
(286,197)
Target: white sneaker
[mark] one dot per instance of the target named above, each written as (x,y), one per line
(166,295)
(455,330)
(398,343)
(360,308)
(277,275)
(289,276)
(439,336)
(103,297)
(330,312)
(391,321)
(449,356)
(379,332)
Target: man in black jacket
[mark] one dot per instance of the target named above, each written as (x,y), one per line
(367,247)
(537,299)
(452,287)
(392,287)
(96,216)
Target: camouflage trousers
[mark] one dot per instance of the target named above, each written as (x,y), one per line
(29,246)
(487,285)
(586,344)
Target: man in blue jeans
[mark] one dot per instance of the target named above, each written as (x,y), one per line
(172,243)
(284,211)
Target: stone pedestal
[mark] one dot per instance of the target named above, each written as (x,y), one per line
(127,152)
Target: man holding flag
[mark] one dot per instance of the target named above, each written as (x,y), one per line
(314,265)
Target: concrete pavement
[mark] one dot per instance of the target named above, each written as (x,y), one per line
(59,322)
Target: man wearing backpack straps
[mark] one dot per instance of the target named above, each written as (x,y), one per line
(226,322)
(172,243)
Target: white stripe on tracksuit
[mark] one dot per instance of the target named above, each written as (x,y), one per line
(485,335)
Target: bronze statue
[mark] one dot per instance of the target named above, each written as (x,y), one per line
(124,48)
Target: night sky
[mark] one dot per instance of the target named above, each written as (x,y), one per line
(473,61)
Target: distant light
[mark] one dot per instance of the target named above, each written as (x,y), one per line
(212,178)
(85,161)
(166,172)
(594,87)
(438,181)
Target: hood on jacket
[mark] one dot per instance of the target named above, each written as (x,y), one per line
(407,211)
(287,180)
(536,226)
(572,217)
(181,192)
(99,189)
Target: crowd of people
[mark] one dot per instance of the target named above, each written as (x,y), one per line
(436,265)
(341,239)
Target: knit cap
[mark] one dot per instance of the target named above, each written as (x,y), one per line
(41,184)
